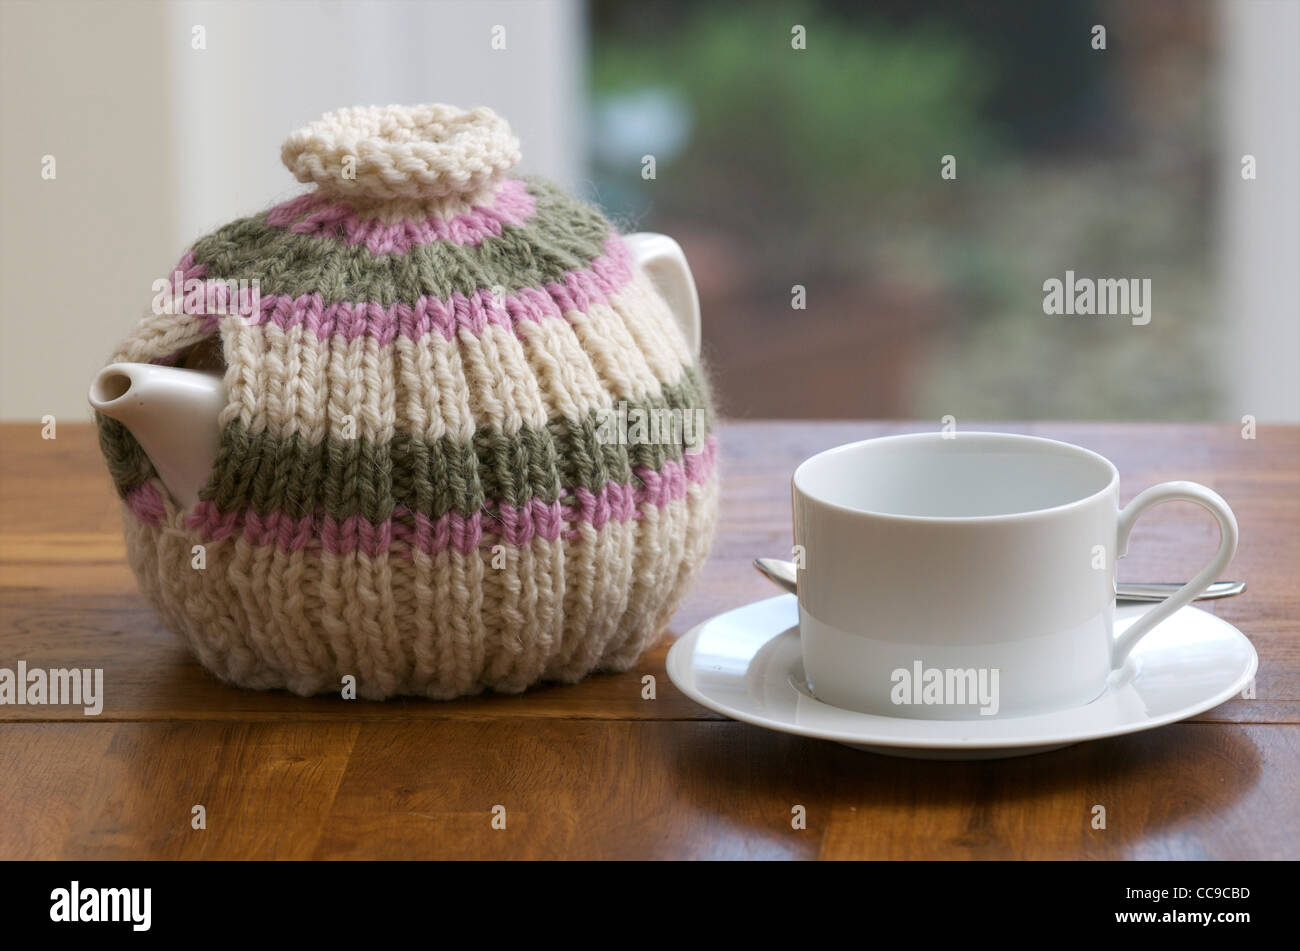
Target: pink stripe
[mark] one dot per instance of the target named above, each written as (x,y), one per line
(186,271)
(312,215)
(606,276)
(579,290)
(145,502)
(406,532)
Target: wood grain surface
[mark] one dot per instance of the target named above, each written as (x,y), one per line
(593,770)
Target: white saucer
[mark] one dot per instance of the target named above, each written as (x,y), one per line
(746,664)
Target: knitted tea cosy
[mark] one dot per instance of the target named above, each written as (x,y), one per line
(416,483)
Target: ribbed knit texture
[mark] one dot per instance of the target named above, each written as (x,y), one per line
(418,393)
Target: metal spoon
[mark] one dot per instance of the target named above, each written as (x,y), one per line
(782,574)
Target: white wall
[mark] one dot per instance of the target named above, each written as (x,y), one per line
(86,83)
(1259,221)
(157,143)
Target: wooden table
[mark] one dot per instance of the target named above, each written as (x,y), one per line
(593,770)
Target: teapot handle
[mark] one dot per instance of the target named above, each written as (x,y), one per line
(665,263)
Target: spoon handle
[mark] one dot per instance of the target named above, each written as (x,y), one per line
(1159,590)
(783,574)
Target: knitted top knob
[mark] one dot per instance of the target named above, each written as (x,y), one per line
(402,152)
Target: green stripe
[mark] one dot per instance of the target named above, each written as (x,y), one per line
(565,235)
(267,474)
(127,462)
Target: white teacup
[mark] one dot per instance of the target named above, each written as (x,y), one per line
(954,576)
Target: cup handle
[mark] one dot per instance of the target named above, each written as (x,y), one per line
(1174,492)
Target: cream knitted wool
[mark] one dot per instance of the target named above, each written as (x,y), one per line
(431,151)
(416,483)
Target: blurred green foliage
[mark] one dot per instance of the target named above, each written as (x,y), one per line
(830,133)
(822,165)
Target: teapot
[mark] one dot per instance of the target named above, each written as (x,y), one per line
(402,455)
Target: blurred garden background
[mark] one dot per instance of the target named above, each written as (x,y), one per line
(820,167)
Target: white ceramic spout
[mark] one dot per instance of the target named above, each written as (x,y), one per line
(172,413)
